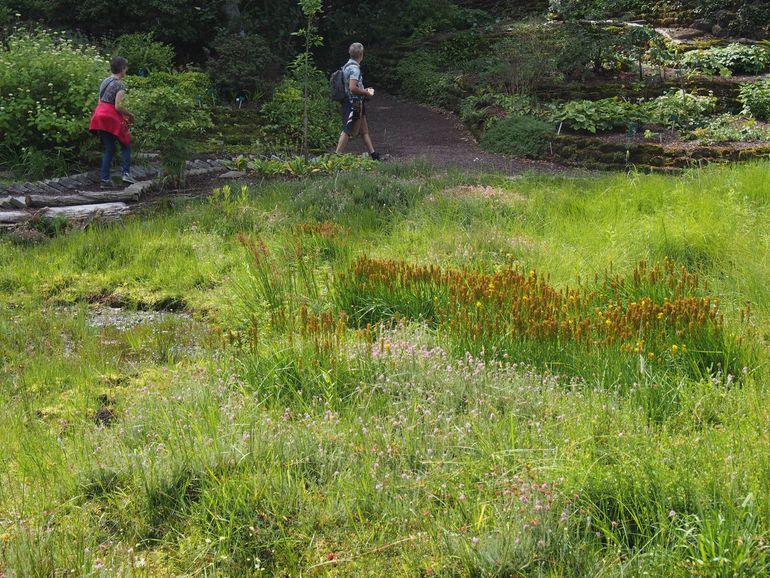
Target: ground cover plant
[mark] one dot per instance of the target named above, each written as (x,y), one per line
(364,374)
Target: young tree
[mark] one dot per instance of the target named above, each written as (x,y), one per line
(311,9)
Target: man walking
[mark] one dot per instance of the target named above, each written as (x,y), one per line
(354,106)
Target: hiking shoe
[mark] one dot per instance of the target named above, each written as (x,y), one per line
(106,184)
(127,178)
(375,156)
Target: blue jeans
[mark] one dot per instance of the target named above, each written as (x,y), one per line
(108,142)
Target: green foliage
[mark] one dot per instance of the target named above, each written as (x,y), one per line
(600,115)
(731,128)
(48,88)
(675,109)
(171,111)
(731,59)
(755,98)
(518,135)
(284,112)
(299,166)
(681,109)
(259,418)
(144,53)
(484,110)
(242,64)
(423,78)
(578,9)
(180,23)
(525,60)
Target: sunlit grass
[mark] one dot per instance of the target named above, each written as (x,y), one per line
(183,393)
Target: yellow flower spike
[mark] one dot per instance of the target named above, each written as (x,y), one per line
(478,304)
(650,356)
(684,348)
(660,315)
(675,349)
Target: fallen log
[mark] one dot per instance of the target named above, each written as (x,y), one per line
(80,198)
(14,217)
(103,212)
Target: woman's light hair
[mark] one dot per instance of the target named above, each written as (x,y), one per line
(356,50)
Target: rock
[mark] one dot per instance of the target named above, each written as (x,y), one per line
(233,175)
(718,31)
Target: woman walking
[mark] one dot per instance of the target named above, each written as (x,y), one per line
(111,120)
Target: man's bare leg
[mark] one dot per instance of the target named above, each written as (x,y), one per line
(365,135)
(342,143)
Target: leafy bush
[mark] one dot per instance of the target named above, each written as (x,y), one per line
(243,65)
(484,110)
(675,109)
(144,53)
(526,60)
(600,115)
(681,109)
(424,79)
(755,99)
(195,85)
(170,114)
(48,88)
(518,135)
(731,59)
(284,111)
(731,128)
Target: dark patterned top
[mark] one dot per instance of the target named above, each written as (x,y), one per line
(110,88)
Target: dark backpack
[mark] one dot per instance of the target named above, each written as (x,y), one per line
(337,85)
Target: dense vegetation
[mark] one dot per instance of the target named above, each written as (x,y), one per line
(350,368)
(306,409)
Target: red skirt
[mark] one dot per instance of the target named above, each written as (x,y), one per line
(107,118)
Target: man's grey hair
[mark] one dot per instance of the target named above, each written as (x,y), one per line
(356,50)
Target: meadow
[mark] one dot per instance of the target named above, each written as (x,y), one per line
(398,372)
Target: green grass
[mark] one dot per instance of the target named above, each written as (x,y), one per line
(256,430)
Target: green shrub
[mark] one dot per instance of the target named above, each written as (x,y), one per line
(242,65)
(681,109)
(731,59)
(526,60)
(600,115)
(170,113)
(731,128)
(755,99)
(484,110)
(144,53)
(423,78)
(48,88)
(195,85)
(518,135)
(284,111)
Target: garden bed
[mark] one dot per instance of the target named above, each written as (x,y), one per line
(618,152)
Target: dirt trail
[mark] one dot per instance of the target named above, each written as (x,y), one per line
(405,130)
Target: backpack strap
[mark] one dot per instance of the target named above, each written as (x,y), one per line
(106,86)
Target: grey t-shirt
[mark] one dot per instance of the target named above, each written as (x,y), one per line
(352,70)
(110,88)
